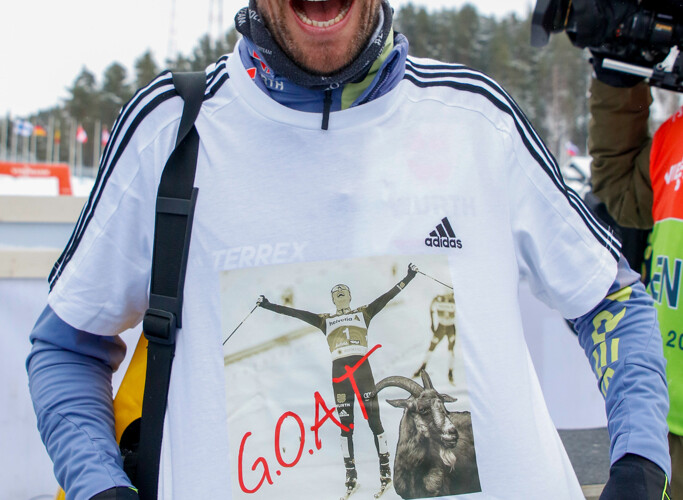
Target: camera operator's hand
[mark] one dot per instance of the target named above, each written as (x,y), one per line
(633,477)
(613,78)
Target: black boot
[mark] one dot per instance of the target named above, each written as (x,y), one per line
(384,469)
(351,474)
(384,474)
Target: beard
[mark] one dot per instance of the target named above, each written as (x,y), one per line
(323,57)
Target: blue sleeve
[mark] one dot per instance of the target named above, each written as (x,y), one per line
(622,341)
(69,375)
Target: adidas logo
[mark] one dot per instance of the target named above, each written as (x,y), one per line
(443,236)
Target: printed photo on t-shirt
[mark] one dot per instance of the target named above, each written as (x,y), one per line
(345,379)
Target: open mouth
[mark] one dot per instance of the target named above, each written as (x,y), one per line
(449,440)
(321,13)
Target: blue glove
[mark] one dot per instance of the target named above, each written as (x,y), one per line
(633,477)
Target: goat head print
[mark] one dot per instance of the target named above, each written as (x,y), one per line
(435,453)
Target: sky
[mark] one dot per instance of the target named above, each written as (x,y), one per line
(45,44)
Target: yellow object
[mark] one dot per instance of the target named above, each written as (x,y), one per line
(128,400)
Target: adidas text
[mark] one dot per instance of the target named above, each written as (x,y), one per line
(443,236)
(443,242)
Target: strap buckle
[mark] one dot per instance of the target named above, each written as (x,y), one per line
(159,326)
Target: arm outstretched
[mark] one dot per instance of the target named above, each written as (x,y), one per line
(312,319)
(378,304)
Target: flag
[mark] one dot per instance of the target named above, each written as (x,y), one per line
(58,136)
(571,148)
(81,135)
(23,128)
(39,131)
(105,136)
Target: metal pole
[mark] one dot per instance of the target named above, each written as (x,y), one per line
(79,159)
(97,141)
(56,157)
(3,137)
(72,145)
(441,282)
(245,318)
(33,141)
(50,139)
(26,142)
(15,142)
(631,69)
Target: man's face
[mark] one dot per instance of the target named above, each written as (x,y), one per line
(341,296)
(321,36)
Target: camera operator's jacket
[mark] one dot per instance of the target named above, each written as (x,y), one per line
(441,169)
(640,179)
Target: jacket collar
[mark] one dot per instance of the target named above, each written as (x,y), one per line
(385,72)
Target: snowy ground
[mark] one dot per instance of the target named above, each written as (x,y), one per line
(272,377)
(42,186)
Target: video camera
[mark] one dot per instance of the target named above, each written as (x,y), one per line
(629,36)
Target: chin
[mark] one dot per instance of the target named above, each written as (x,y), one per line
(325,63)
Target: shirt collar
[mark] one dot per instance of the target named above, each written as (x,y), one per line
(383,75)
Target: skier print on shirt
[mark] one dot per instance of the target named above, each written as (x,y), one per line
(284,416)
(346,332)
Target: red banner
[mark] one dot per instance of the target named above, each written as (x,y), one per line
(58,170)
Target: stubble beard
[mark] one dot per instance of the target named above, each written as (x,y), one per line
(324,58)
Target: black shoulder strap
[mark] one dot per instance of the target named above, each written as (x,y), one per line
(176,200)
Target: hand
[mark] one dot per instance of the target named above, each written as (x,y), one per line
(610,77)
(117,493)
(633,477)
(262,300)
(412,270)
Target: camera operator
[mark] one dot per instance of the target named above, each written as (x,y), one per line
(638,178)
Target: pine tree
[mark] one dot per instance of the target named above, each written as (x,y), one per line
(84,96)
(146,69)
(115,92)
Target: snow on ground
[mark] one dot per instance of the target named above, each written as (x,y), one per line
(81,186)
(42,186)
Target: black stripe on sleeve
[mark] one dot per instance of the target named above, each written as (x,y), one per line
(457,78)
(132,114)
(96,193)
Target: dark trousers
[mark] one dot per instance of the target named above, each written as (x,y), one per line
(345,396)
(676,451)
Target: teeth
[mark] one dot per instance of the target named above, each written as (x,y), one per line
(323,24)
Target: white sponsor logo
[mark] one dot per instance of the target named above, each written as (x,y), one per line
(273,84)
(674,174)
(264,254)
(343,319)
(343,413)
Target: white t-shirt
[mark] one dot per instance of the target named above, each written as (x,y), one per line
(443,172)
